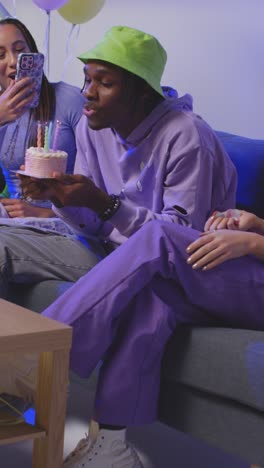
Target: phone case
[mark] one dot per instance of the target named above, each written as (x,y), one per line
(31,64)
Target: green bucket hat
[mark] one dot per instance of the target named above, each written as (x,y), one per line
(133,50)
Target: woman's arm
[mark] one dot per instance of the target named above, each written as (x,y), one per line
(19,208)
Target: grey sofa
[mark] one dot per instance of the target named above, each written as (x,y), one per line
(212,378)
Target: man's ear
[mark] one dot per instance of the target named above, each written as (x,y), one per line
(147,92)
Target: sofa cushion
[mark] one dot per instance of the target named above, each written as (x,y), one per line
(38,296)
(220,361)
(248,156)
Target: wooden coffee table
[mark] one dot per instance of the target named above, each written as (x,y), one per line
(22,330)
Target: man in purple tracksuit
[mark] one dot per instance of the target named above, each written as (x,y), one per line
(141,157)
(171,167)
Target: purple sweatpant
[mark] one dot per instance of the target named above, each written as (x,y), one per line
(125,309)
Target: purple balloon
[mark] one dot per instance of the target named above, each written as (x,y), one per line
(50,4)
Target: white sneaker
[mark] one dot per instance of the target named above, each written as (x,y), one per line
(18,374)
(103,449)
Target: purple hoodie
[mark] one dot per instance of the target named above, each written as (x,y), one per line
(171,167)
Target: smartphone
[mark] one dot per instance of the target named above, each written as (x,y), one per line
(31,64)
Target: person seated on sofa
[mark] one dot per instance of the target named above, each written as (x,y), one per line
(18,124)
(140,156)
(162,276)
(185,277)
(18,130)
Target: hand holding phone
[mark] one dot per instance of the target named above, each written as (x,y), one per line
(31,64)
(15,99)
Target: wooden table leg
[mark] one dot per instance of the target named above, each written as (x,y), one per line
(51,401)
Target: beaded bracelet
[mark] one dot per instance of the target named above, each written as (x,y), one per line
(114,204)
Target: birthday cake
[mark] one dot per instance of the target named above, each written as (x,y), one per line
(42,163)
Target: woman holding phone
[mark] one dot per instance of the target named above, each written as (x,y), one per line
(18,120)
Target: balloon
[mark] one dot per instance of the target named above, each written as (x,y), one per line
(3,12)
(49,4)
(80,11)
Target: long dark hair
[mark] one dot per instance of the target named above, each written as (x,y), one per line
(47,103)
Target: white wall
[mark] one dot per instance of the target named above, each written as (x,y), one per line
(215,51)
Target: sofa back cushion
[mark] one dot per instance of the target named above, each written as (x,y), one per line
(247,155)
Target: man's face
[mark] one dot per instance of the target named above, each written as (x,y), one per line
(105,91)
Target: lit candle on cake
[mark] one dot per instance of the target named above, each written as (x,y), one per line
(46,147)
(49,135)
(56,135)
(39,135)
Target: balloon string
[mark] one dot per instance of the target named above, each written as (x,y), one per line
(14,8)
(75,28)
(46,45)
(69,38)
(3,12)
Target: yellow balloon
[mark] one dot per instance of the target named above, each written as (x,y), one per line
(80,11)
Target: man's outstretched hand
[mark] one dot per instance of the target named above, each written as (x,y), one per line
(65,190)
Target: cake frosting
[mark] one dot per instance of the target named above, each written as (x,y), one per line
(41,163)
